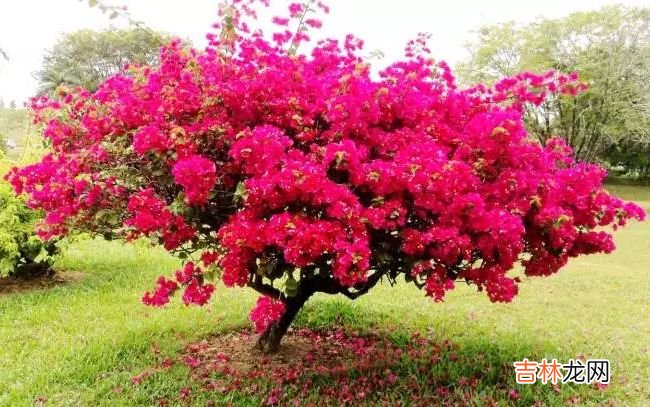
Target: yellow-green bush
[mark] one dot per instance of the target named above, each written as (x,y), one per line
(21,251)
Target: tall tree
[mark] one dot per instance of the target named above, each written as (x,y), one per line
(86,58)
(610,48)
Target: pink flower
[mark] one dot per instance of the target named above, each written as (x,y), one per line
(150,139)
(323,7)
(295,9)
(165,288)
(280,21)
(197,175)
(513,394)
(312,22)
(188,273)
(267,311)
(197,293)
(209,258)
(150,216)
(501,289)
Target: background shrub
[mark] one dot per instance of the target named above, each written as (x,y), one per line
(22,253)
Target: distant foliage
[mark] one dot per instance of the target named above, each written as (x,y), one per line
(86,58)
(610,48)
(21,251)
(296,173)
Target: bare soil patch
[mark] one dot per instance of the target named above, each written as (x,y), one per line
(238,349)
(330,367)
(319,352)
(12,285)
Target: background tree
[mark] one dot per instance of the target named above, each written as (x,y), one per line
(85,58)
(633,154)
(610,49)
(12,105)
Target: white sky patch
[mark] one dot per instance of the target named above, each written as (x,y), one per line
(29,27)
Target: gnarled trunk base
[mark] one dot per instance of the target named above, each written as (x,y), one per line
(269,340)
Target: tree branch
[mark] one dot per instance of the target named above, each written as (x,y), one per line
(258,285)
(363,288)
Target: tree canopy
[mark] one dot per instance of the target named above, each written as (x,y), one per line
(86,58)
(609,48)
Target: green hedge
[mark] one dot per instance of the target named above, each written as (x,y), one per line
(22,253)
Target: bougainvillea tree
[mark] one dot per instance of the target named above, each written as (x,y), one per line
(296,172)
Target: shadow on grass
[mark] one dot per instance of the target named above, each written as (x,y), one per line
(337,355)
(474,371)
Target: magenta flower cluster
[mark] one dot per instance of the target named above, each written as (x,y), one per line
(267,310)
(191,277)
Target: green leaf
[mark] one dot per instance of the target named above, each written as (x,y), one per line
(178,205)
(113,15)
(240,193)
(92,3)
(213,273)
(102,213)
(6,267)
(42,256)
(291,287)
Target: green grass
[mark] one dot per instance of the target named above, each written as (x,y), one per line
(79,344)
(641,195)
(15,124)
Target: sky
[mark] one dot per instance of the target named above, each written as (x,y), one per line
(29,27)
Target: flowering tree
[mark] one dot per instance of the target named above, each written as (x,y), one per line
(300,173)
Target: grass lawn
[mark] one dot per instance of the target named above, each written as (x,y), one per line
(15,124)
(81,343)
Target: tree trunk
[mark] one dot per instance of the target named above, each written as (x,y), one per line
(269,341)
